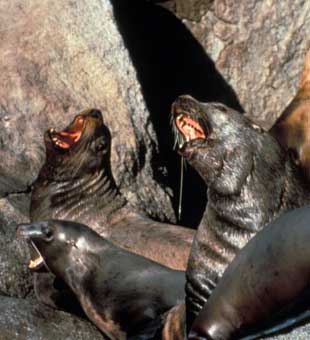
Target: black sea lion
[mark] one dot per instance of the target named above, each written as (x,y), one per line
(292,128)
(76,183)
(250,178)
(268,275)
(121,292)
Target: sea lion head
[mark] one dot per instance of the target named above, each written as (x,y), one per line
(63,245)
(82,147)
(216,140)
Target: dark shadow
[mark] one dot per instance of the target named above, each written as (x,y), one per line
(169,62)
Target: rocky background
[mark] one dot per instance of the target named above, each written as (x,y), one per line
(130,59)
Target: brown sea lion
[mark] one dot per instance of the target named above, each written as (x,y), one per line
(76,183)
(122,293)
(292,128)
(265,280)
(250,178)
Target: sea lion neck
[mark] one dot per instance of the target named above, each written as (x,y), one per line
(93,194)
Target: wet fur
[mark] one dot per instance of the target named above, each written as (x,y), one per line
(121,292)
(251,180)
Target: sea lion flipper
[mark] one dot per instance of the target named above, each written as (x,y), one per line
(107,326)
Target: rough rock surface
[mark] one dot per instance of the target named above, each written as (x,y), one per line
(27,320)
(258,46)
(15,278)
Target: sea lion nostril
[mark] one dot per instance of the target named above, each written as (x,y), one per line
(96,114)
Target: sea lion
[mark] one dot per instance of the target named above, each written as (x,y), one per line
(76,183)
(292,128)
(257,285)
(250,178)
(122,293)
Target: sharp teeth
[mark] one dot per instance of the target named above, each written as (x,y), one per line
(54,139)
(52,130)
(187,138)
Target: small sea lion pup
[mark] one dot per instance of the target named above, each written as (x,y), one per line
(250,179)
(266,281)
(76,183)
(122,293)
(292,128)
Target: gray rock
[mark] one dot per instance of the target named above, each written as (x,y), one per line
(15,278)
(27,320)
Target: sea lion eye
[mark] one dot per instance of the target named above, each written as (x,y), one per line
(100,146)
(48,234)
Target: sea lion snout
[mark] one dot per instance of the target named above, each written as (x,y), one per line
(39,230)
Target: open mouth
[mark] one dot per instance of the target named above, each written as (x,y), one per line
(36,261)
(189,128)
(68,137)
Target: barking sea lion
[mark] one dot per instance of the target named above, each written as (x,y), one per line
(292,128)
(122,293)
(250,179)
(265,280)
(76,184)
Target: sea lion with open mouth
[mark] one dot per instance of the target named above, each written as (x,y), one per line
(266,287)
(250,178)
(76,183)
(292,128)
(122,293)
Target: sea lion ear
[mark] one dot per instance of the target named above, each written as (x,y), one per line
(237,165)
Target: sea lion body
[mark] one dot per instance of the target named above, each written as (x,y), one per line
(251,180)
(268,274)
(121,292)
(76,183)
(292,128)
